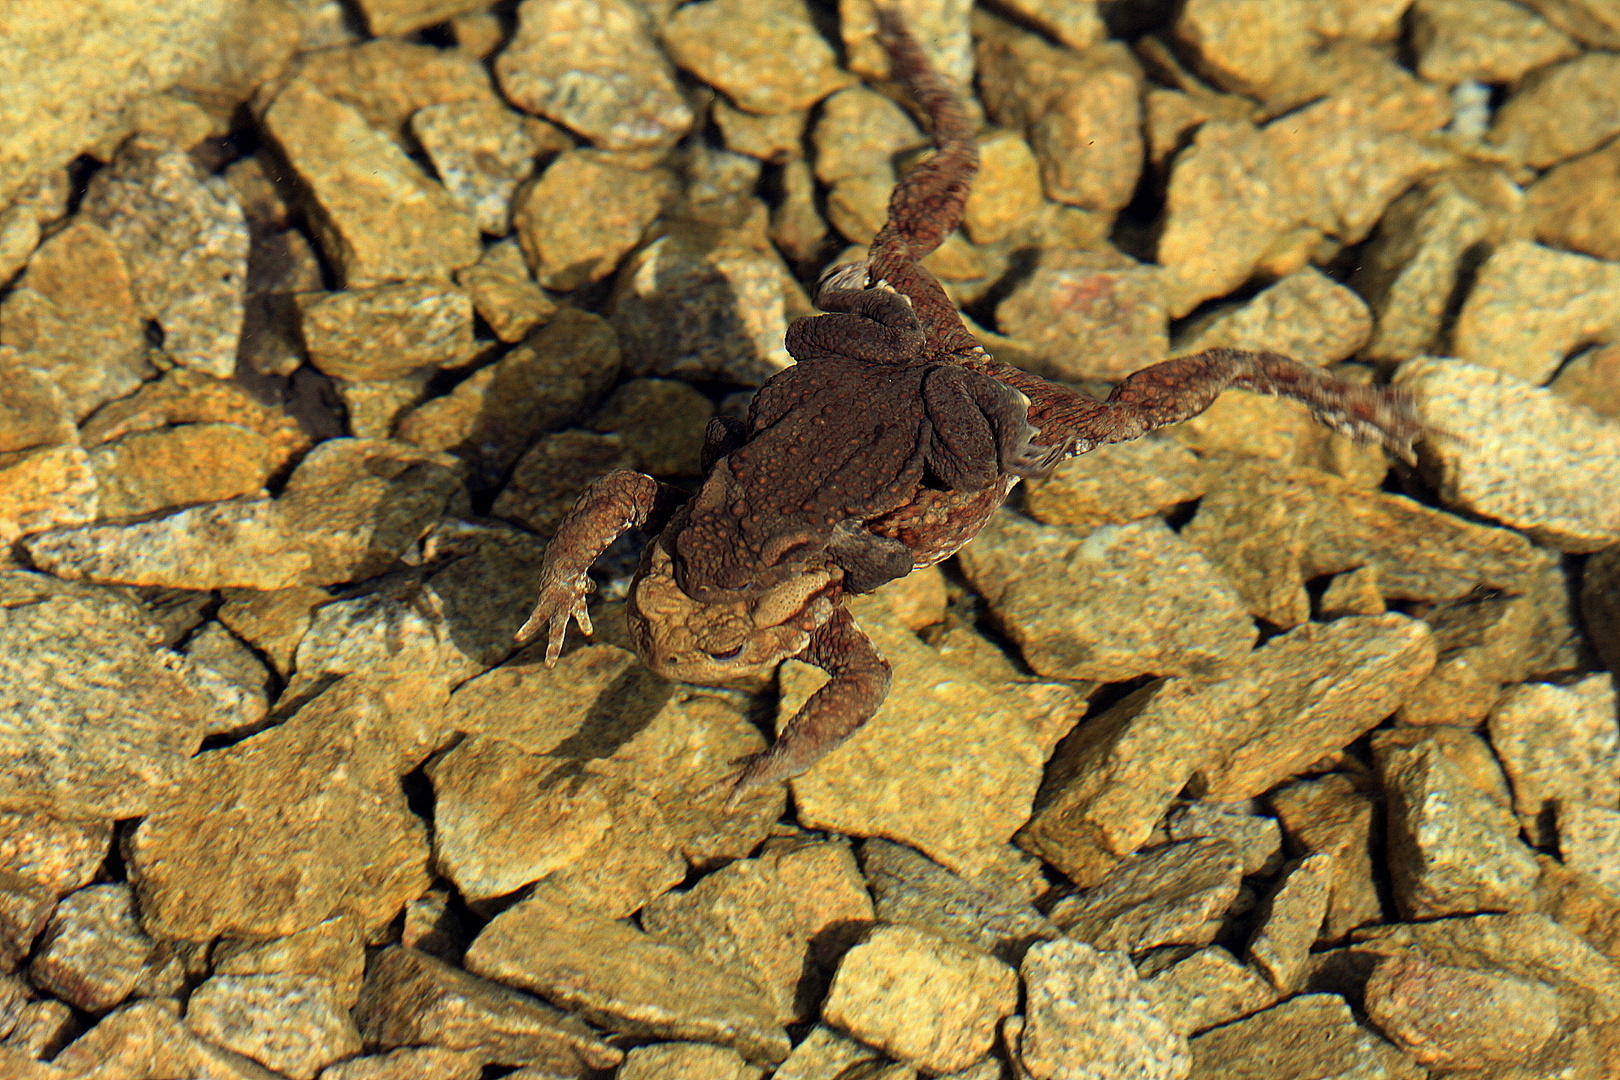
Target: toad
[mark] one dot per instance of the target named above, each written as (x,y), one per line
(885,448)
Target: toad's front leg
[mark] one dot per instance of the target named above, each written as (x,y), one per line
(609,507)
(859,683)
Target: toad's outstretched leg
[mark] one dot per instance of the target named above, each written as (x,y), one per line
(609,507)
(1167,393)
(927,205)
(859,683)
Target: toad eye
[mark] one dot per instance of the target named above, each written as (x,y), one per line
(731,655)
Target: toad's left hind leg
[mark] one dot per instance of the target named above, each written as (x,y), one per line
(859,683)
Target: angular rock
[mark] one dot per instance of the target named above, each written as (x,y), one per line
(1309,1035)
(1080,111)
(1049,590)
(1207,989)
(825,1052)
(857,206)
(775,138)
(686,1061)
(385,332)
(146,1038)
(1546,477)
(638,858)
(272,621)
(1306,315)
(70,78)
(357,504)
(1229,207)
(1247,526)
(1527,946)
(59,853)
(555,377)
(45,488)
(1289,922)
(828,894)
(1354,592)
(653,989)
(913,890)
(504,294)
(583,215)
(1007,192)
(1257,837)
(1454,847)
(1558,743)
(316,824)
(185,242)
(1447,1016)
(735,47)
(1110,784)
(72,657)
(386,80)
(1366,663)
(411,998)
(25,908)
(1358,166)
(742,918)
(977,740)
(184,397)
(1099,317)
(1589,839)
(1416,551)
(504,818)
(330,950)
(393,18)
(860,132)
(661,422)
(1572,296)
(482,151)
(1482,642)
(553,473)
(93,950)
(1331,816)
(1088,1015)
(73,316)
(410,1063)
(1490,41)
(377,216)
(1221,212)
(1173,895)
(1591,379)
(234,675)
(669,745)
(1427,244)
(432,631)
(1562,110)
(699,306)
(33,410)
(1566,205)
(193,463)
(293,1024)
(953,997)
(593,67)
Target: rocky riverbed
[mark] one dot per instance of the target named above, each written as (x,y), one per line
(1236,752)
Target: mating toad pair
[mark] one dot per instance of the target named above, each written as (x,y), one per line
(885,449)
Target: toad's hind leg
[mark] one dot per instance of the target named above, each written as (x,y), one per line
(859,683)
(1179,389)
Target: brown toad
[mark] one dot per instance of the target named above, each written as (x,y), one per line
(884,449)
